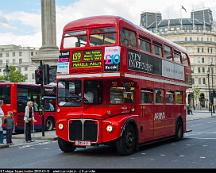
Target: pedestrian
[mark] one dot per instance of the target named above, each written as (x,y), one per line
(189,109)
(29,119)
(1,122)
(9,121)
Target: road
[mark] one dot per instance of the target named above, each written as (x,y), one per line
(196,150)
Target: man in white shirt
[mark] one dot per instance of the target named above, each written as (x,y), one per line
(89,96)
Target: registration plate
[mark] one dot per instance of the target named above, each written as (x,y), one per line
(83,143)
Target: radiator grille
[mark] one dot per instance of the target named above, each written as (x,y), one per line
(75,130)
(83,130)
(90,130)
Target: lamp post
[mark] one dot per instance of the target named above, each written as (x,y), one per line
(7,70)
(210,96)
(211,91)
(42,99)
(212,101)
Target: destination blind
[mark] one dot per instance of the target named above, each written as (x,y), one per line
(87,59)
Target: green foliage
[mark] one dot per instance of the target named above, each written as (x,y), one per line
(14,75)
(2,78)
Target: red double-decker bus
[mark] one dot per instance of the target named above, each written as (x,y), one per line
(119,84)
(15,97)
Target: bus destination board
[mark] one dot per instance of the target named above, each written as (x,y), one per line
(87,59)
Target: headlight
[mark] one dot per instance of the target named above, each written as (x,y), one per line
(109,128)
(60,126)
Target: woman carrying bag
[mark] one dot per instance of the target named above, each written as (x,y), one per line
(29,120)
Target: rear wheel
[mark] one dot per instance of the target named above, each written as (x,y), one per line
(65,146)
(179,130)
(127,143)
(50,123)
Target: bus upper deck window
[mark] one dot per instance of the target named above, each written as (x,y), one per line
(157,49)
(128,38)
(184,59)
(75,39)
(102,36)
(144,44)
(177,57)
(168,53)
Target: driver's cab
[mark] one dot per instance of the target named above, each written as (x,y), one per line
(95,92)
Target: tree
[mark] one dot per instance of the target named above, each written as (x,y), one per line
(14,75)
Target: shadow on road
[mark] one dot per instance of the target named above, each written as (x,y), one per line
(108,151)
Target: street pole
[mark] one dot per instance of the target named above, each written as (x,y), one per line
(7,70)
(42,101)
(209,93)
(212,89)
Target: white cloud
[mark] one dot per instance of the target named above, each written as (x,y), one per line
(129,9)
(32,20)
(33,40)
(4,24)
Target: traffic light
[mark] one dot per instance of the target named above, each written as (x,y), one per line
(46,74)
(214,93)
(39,75)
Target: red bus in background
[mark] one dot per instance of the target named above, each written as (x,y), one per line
(15,97)
(119,84)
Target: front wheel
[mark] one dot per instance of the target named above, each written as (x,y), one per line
(127,143)
(65,146)
(179,130)
(50,124)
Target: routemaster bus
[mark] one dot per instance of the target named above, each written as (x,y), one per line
(15,97)
(119,84)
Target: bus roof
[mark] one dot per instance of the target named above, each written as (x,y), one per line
(89,21)
(16,83)
(23,83)
(105,20)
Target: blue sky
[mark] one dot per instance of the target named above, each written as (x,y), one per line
(27,5)
(20,20)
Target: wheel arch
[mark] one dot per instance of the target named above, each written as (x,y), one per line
(179,119)
(134,124)
(52,118)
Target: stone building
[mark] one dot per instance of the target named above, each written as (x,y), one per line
(19,57)
(198,35)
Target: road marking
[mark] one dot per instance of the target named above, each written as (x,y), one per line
(211,122)
(188,144)
(25,146)
(162,155)
(202,157)
(33,144)
(204,145)
(143,153)
(199,133)
(43,143)
(181,155)
(203,138)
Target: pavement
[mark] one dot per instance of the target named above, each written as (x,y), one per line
(199,114)
(19,139)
